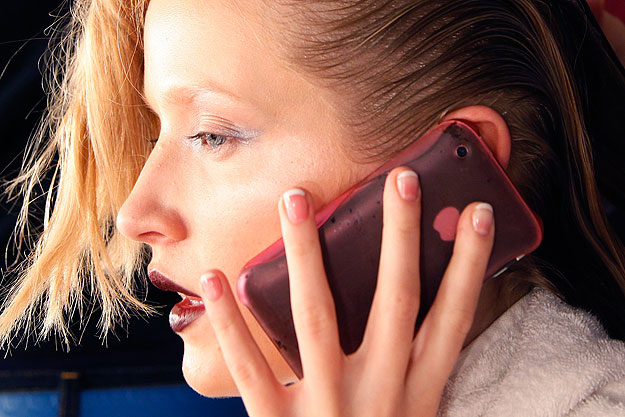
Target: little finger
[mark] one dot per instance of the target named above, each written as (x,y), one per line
(446,325)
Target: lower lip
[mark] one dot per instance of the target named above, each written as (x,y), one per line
(185,313)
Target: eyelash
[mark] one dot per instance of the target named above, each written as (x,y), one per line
(201,139)
(204,138)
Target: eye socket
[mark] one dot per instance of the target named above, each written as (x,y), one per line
(462,151)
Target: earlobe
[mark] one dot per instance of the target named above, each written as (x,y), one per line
(491,127)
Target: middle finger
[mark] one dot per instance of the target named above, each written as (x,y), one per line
(396,300)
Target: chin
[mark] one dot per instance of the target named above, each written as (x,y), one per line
(205,369)
(206,372)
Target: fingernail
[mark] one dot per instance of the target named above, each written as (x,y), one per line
(211,286)
(408,185)
(296,205)
(483,218)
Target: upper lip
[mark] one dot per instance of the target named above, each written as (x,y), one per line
(162,282)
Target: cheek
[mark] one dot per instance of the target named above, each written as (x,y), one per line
(232,215)
(229,235)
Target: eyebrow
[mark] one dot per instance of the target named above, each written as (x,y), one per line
(179,93)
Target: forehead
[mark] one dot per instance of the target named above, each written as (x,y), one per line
(212,44)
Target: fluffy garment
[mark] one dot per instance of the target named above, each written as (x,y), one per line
(543,358)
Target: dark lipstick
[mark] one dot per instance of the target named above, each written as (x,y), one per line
(184,312)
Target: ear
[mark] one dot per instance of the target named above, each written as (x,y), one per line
(491,127)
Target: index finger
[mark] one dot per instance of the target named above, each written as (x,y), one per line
(247,365)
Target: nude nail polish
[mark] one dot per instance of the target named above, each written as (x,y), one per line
(483,219)
(408,185)
(296,205)
(211,286)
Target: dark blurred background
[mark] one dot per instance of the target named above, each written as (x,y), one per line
(141,366)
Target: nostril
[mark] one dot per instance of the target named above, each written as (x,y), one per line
(140,230)
(152,238)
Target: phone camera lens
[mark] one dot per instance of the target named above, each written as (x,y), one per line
(462,151)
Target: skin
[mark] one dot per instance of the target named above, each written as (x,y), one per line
(210,210)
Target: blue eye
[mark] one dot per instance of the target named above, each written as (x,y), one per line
(211,139)
(203,139)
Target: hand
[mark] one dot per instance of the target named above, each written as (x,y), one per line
(390,374)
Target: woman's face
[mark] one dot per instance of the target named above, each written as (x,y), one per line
(211,201)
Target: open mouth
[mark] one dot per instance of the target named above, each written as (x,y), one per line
(184,312)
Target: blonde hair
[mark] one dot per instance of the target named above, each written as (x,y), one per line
(397,66)
(91,138)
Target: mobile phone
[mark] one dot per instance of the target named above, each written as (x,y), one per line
(455,168)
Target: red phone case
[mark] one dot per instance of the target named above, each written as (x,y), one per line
(455,168)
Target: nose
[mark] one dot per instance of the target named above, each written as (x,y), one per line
(150,214)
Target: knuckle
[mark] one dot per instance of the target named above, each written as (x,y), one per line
(466,255)
(405,306)
(406,229)
(244,372)
(225,326)
(315,319)
(299,248)
(467,242)
(465,228)
(468,260)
